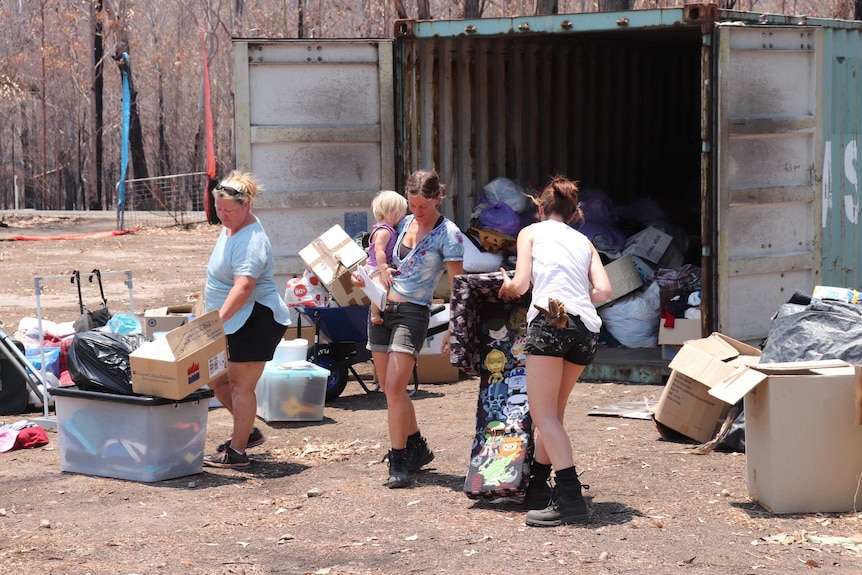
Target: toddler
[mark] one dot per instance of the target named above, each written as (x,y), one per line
(389,209)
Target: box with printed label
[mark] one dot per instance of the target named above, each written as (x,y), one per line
(333,256)
(186,359)
(131,436)
(686,406)
(802,434)
(166,318)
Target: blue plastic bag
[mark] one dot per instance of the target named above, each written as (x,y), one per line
(124,323)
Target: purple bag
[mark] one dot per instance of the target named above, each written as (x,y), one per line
(498,216)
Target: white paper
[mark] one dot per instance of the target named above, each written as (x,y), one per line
(375,293)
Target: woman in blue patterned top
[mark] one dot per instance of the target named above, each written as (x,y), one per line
(427,243)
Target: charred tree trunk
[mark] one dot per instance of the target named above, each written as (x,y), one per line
(400,9)
(547,7)
(615,5)
(424,9)
(93,199)
(472,9)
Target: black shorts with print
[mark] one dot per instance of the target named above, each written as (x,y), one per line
(574,343)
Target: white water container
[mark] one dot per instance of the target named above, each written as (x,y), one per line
(291,350)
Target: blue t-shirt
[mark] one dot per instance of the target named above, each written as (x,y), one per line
(420,270)
(245,253)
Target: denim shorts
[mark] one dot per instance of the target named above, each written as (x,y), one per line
(574,343)
(404,328)
(257,339)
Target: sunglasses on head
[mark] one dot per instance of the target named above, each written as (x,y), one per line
(232,191)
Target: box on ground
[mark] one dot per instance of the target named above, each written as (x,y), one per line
(624,278)
(686,406)
(183,361)
(130,437)
(802,435)
(295,392)
(166,318)
(436,368)
(682,331)
(333,256)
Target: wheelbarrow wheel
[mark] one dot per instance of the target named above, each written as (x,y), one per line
(338,374)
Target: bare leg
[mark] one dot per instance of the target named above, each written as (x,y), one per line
(550,381)
(243,380)
(402,415)
(222,392)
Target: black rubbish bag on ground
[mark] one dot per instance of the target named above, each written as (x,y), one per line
(820,330)
(100,361)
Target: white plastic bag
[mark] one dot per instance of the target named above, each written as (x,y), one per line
(634,320)
(509,192)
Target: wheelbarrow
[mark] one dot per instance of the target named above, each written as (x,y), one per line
(346,331)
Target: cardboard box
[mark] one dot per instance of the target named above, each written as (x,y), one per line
(333,256)
(685,405)
(436,368)
(297,393)
(624,278)
(802,437)
(649,244)
(130,437)
(186,359)
(166,318)
(682,331)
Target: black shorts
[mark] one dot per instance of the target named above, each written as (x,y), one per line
(404,328)
(574,343)
(257,339)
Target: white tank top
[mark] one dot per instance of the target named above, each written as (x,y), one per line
(561,269)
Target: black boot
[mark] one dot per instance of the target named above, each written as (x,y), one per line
(538,494)
(418,453)
(567,507)
(398,474)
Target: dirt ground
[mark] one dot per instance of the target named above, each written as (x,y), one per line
(313,500)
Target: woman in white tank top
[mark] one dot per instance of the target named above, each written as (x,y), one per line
(568,279)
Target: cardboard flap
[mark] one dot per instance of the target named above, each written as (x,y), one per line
(722,347)
(700,365)
(799,367)
(734,387)
(195,334)
(858,395)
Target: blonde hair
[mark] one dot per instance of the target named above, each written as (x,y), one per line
(389,205)
(238,186)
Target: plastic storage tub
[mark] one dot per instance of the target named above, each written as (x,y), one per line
(140,438)
(291,392)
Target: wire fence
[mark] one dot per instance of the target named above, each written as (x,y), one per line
(164,201)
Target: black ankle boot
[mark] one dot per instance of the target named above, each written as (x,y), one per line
(539,491)
(568,506)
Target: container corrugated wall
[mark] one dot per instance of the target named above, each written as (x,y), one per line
(842,106)
(619,111)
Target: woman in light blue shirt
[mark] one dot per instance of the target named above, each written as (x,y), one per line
(240,285)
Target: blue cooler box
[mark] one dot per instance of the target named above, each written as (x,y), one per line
(135,437)
(294,391)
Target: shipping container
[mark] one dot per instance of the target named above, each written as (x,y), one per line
(741,126)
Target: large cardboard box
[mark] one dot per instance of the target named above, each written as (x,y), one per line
(686,406)
(436,368)
(186,359)
(803,441)
(166,318)
(333,256)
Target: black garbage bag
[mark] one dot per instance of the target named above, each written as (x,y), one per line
(820,330)
(100,361)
